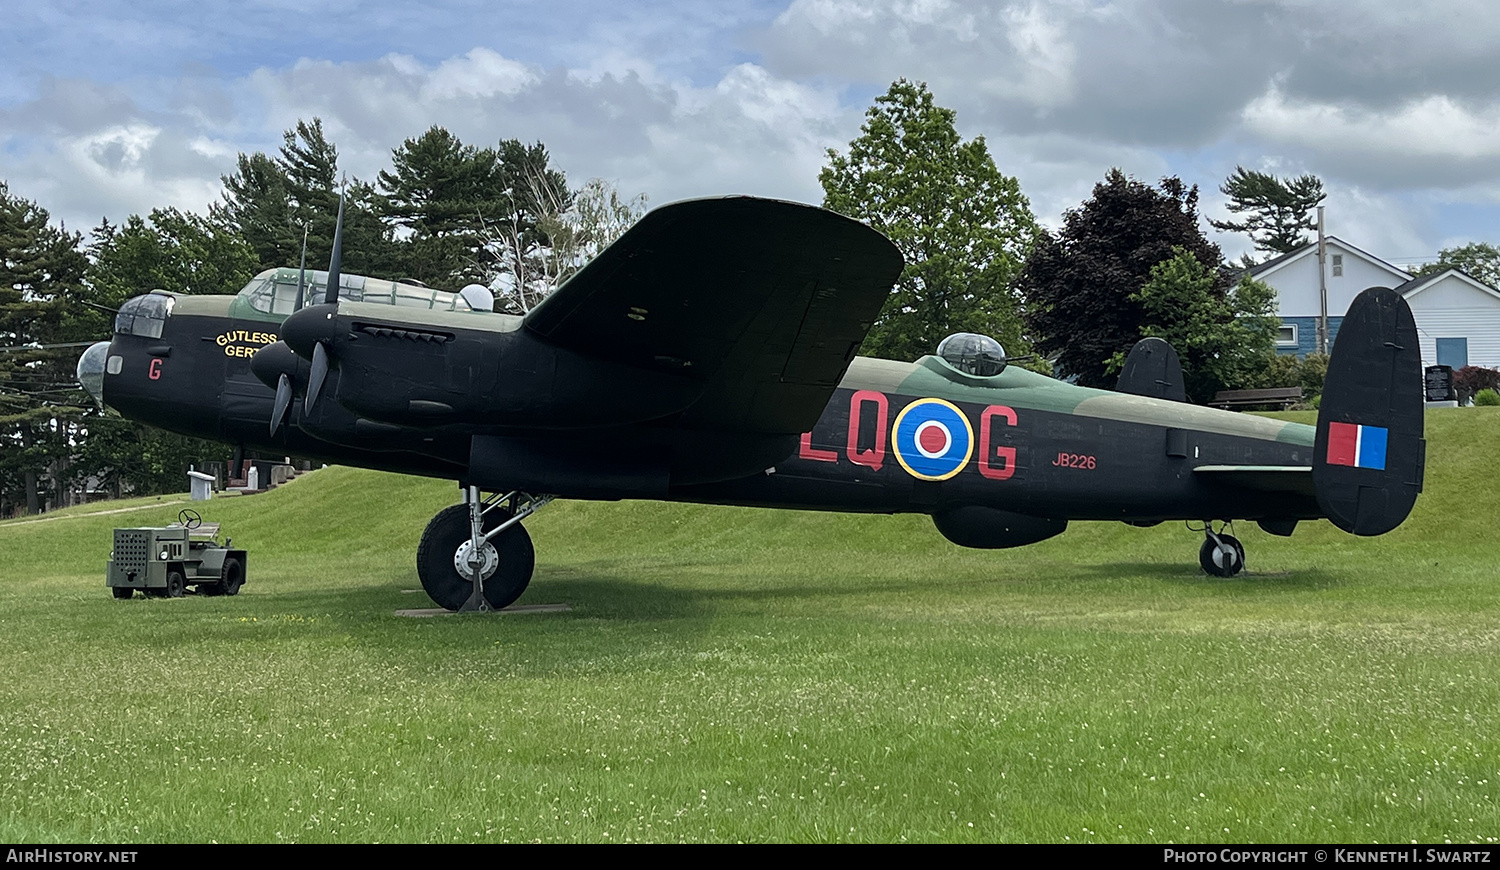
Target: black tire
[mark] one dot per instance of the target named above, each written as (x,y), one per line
(122,592)
(176,585)
(1220,563)
(231,578)
(442,538)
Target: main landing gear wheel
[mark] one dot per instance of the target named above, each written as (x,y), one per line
(1221,555)
(506,561)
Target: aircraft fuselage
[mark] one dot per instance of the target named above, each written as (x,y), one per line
(497,407)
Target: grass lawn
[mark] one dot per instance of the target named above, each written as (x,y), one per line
(733,674)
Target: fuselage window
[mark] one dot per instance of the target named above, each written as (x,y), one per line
(275,292)
(145,316)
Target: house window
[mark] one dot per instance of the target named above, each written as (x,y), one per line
(1453,352)
(1286,336)
(1338,265)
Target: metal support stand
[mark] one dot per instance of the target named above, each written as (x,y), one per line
(476,558)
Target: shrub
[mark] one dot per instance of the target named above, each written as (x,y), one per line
(1286,370)
(1487,397)
(1469,380)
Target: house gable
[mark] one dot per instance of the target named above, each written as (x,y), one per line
(1349,271)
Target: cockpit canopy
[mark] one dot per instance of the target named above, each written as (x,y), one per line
(145,316)
(274,291)
(973,354)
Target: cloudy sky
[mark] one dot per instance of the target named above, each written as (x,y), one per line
(109,108)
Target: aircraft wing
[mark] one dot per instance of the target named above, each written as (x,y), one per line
(764,302)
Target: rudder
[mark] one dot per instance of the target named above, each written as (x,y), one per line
(1369,456)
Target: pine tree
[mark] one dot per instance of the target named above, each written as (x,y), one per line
(41,272)
(1278,211)
(271,200)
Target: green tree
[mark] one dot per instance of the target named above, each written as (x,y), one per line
(1078,285)
(452,203)
(41,273)
(1478,260)
(257,204)
(963,227)
(169,250)
(1277,210)
(270,201)
(435,194)
(1222,338)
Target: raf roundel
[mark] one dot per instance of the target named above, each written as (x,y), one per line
(933,439)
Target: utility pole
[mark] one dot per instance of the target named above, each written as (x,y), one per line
(1322,289)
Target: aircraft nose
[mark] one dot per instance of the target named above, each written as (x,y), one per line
(91,370)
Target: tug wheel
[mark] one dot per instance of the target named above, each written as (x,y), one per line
(231,578)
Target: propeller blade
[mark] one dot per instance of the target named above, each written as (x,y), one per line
(283,401)
(302,272)
(337,258)
(315,378)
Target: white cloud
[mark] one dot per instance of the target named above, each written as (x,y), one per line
(1396,102)
(1046,56)
(480,73)
(1434,126)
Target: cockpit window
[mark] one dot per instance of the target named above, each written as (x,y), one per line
(973,354)
(144,316)
(275,292)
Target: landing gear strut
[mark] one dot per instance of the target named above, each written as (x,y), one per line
(1222,555)
(476,555)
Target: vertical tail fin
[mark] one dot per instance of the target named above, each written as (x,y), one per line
(1369,456)
(1153,369)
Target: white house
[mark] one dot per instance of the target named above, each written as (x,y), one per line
(1458,318)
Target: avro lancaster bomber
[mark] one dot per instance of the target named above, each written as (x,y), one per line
(708,355)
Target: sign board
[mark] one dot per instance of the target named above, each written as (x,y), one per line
(1438,382)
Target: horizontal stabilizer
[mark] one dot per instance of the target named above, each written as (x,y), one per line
(1153,370)
(1369,456)
(1263,478)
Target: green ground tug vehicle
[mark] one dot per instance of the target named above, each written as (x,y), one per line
(164,562)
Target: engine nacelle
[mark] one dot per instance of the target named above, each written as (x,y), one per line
(987,528)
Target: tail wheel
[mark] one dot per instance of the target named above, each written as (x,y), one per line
(506,561)
(1222,558)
